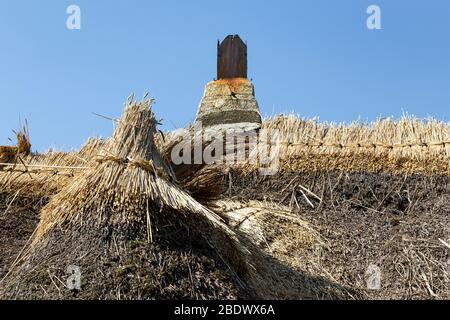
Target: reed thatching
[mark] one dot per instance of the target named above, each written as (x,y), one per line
(125,190)
(396,222)
(122,182)
(44,174)
(406,146)
(127,193)
(285,251)
(10,154)
(112,197)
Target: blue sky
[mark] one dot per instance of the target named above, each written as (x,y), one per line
(313,57)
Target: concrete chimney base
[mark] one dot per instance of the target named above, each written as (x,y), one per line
(229,101)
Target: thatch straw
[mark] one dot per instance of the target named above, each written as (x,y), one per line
(128,187)
(406,146)
(44,174)
(126,184)
(392,221)
(125,178)
(10,154)
(285,251)
(125,190)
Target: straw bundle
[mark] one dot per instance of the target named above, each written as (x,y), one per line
(44,174)
(10,154)
(124,196)
(406,146)
(117,197)
(122,182)
(285,251)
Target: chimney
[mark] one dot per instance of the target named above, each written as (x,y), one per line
(230,100)
(231,58)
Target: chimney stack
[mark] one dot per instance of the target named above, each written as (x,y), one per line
(231,58)
(230,100)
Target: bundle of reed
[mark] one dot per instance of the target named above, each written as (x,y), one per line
(129,176)
(200,180)
(124,196)
(202,169)
(285,251)
(44,174)
(10,154)
(406,146)
(206,183)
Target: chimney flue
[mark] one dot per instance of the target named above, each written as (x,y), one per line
(230,100)
(231,58)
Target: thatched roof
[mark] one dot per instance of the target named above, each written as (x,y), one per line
(406,146)
(125,178)
(126,189)
(113,197)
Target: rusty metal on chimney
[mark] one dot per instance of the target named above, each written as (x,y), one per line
(231,58)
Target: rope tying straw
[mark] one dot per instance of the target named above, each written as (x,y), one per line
(137,163)
(367,146)
(146,165)
(43,166)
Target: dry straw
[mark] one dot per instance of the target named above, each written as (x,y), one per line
(126,181)
(45,174)
(13,154)
(122,180)
(406,146)
(126,188)
(285,251)
(129,184)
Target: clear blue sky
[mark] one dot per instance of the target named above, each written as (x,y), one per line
(313,57)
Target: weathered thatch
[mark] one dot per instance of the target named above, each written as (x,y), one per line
(120,213)
(124,197)
(126,177)
(286,251)
(409,145)
(396,223)
(406,146)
